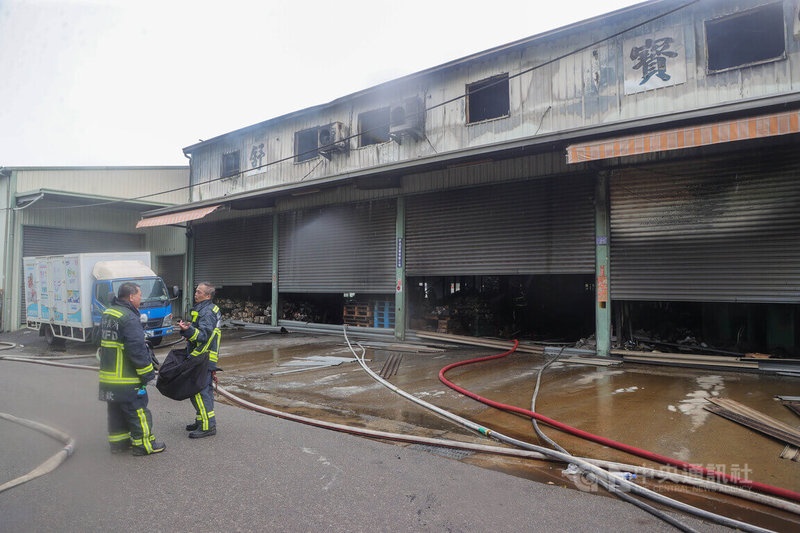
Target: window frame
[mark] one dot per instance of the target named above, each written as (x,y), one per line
(362,117)
(231,156)
(740,14)
(484,82)
(312,154)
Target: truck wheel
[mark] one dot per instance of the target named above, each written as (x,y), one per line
(50,337)
(94,337)
(155,341)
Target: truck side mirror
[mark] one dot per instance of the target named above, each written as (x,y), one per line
(175,291)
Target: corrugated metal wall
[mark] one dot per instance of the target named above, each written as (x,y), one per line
(55,241)
(346,248)
(234,252)
(166,240)
(543,226)
(131,182)
(721,229)
(579,90)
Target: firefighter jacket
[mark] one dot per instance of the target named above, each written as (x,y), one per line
(125,361)
(204,334)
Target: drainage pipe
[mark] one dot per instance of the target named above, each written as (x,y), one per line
(769,489)
(591,469)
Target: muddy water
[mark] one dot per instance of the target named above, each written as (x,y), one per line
(659,409)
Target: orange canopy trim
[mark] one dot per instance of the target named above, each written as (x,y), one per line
(175,218)
(688,137)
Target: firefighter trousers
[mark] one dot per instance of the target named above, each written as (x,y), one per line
(130,423)
(203,403)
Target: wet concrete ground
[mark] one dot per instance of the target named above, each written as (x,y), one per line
(650,407)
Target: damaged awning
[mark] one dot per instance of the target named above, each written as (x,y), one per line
(176,218)
(687,137)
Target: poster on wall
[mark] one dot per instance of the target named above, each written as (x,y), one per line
(73,289)
(653,61)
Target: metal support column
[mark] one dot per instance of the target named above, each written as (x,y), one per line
(602,264)
(275,247)
(11,240)
(188,291)
(400,271)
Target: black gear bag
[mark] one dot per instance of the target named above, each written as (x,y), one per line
(182,376)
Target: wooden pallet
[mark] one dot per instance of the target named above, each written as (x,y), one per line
(357,310)
(756,420)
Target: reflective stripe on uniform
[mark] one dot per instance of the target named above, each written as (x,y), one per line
(113,312)
(204,416)
(112,377)
(145,370)
(119,437)
(111,344)
(145,431)
(196,352)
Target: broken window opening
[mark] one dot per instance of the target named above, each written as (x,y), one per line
(488,99)
(747,38)
(230,164)
(373,127)
(306,144)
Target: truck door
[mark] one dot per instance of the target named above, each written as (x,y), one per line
(101,299)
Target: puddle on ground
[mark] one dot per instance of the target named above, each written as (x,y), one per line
(655,408)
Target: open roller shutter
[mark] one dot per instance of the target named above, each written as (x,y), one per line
(234,252)
(543,226)
(38,241)
(170,269)
(348,248)
(713,230)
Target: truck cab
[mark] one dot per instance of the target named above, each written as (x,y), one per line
(155,306)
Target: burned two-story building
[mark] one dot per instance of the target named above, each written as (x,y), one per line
(634,175)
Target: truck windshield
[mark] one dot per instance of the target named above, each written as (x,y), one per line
(153,290)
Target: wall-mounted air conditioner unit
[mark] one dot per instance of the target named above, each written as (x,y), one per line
(407,120)
(332,138)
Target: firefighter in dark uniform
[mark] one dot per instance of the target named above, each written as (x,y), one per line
(202,335)
(125,367)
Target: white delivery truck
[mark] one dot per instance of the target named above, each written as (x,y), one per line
(66,295)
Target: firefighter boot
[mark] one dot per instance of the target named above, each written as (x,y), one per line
(157,447)
(199,433)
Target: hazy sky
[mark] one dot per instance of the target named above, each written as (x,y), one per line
(126,82)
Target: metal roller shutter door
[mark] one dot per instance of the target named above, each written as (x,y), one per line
(170,268)
(234,252)
(347,248)
(713,230)
(56,241)
(543,226)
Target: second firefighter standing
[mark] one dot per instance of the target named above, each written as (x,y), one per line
(203,335)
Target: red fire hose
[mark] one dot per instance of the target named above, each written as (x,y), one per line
(689,467)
